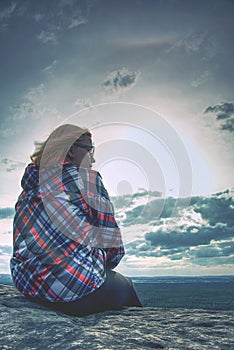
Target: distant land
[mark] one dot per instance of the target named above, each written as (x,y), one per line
(5,279)
(191,292)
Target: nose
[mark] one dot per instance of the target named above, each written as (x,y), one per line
(93,159)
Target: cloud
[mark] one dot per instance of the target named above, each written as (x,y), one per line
(228,125)
(6,213)
(48,69)
(68,15)
(120,80)
(25,110)
(33,105)
(83,103)
(38,17)
(47,36)
(5,255)
(35,94)
(5,250)
(7,132)
(202,79)
(219,249)
(201,234)
(217,253)
(11,165)
(9,12)
(154,210)
(75,22)
(54,18)
(216,210)
(225,108)
(225,113)
(197,43)
(192,236)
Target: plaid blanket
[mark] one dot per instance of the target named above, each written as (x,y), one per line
(65,233)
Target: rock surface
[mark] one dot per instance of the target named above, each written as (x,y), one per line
(28,326)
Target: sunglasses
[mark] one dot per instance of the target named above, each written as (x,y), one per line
(90,149)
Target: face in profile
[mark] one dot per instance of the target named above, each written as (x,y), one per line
(81,152)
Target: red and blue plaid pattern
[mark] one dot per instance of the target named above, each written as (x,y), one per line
(65,233)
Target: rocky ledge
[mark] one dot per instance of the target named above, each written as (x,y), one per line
(28,326)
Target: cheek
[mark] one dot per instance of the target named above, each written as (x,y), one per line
(81,158)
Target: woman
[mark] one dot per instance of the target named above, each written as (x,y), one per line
(66,239)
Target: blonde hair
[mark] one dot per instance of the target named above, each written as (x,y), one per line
(54,150)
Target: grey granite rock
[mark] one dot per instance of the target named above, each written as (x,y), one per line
(28,326)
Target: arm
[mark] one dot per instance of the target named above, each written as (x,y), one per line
(113,256)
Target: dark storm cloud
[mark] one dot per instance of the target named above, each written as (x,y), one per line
(210,237)
(188,238)
(224,112)
(154,210)
(120,80)
(217,209)
(144,248)
(224,108)
(229,125)
(216,254)
(6,213)
(221,249)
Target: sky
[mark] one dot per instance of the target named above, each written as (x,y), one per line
(153,81)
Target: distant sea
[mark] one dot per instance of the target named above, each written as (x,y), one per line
(192,292)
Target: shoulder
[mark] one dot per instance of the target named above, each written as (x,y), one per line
(82,176)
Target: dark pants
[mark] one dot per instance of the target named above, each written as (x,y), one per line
(117,291)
